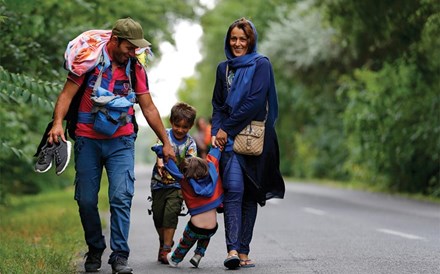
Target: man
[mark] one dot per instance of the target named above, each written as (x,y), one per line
(95,150)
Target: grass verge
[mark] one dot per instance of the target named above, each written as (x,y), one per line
(42,233)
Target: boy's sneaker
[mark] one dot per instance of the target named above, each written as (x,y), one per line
(120,266)
(170,260)
(62,155)
(93,261)
(163,257)
(45,158)
(195,260)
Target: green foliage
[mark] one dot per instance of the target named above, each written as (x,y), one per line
(393,116)
(26,106)
(357,84)
(34,37)
(215,24)
(33,42)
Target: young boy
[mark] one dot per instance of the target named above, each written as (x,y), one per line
(203,193)
(165,190)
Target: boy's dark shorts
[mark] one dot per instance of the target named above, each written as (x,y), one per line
(166,207)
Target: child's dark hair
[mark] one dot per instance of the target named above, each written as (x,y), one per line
(194,167)
(182,111)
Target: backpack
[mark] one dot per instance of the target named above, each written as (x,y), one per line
(71,117)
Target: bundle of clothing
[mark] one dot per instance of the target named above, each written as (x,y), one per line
(200,194)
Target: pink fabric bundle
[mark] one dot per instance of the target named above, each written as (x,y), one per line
(82,53)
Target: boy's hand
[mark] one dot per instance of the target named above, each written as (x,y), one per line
(160,166)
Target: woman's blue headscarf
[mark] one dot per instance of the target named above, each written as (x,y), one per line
(244,71)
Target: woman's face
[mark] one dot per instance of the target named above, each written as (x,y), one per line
(238,42)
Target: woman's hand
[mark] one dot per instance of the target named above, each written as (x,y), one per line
(220,139)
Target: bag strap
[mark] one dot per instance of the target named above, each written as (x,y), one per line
(228,87)
(99,78)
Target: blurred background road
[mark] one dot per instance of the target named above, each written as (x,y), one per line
(315,229)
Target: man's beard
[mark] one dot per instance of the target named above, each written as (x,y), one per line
(119,56)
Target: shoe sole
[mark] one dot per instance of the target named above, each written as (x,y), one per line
(92,270)
(170,261)
(69,146)
(232,263)
(122,272)
(42,171)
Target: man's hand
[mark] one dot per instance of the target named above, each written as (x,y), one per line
(168,153)
(56,132)
(62,105)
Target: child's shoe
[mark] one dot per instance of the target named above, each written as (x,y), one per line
(159,257)
(170,260)
(195,260)
(164,254)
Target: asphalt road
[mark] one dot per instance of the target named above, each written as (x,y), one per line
(314,229)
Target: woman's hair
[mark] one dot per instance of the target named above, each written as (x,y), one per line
(194,167)
(244,25)
(182,111)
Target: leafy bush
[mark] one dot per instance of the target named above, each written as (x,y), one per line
(26,107)
(393,117)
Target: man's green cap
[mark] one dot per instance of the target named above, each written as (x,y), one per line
(131,30)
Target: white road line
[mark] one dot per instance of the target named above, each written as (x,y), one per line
(314,211)
(400,234)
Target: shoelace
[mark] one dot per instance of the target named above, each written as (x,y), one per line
(42,158)
(57,155)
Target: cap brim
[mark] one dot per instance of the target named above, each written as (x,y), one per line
(140,43)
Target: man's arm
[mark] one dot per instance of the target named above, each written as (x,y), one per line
(61,107)
(152,116)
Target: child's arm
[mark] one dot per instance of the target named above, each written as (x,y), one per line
(160,166)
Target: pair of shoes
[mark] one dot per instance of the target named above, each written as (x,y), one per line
(55,152)
(195,260)
(170,260)
(93,261)
(246,263)
(232,262)
(120,266)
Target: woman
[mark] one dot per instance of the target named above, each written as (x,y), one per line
(244,91)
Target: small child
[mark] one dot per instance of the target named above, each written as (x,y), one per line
(165,190)
(203,193)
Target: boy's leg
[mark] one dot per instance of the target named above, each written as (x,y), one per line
(172,210)
(202,245)
(158,208)
(188,239)
(204,236)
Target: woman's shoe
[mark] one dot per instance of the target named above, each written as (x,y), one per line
(246,263)
(232,262)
